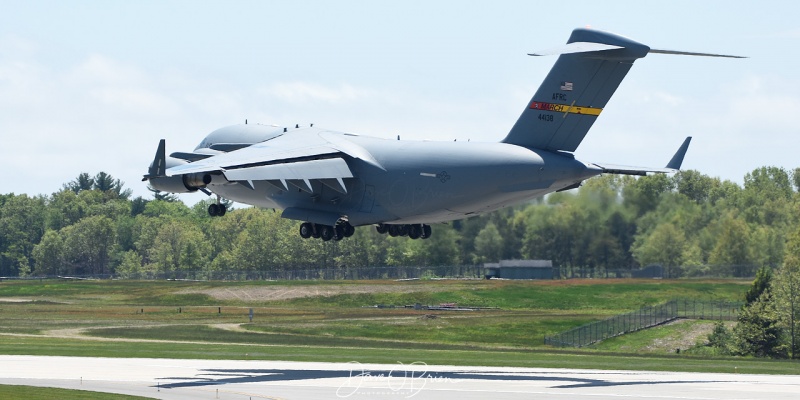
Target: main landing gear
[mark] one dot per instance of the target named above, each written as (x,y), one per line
(217,209)
(326,232)
(414,231)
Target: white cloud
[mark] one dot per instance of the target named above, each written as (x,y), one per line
(299,92)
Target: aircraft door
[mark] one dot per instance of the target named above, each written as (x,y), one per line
(368,200)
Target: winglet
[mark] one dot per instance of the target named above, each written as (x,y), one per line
(159,165)
(677,159)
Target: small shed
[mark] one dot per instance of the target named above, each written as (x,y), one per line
(654,271)
(520,269)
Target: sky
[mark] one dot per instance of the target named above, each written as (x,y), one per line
(90,86)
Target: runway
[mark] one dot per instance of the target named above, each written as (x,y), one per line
(222,379)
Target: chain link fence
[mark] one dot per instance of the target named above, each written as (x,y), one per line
(457,271)
(657,272)
(644,318)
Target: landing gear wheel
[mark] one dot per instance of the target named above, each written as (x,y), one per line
(402,230)
(381,228)
(326,232)
(426,231)
(306,230)
(217,210)
(316,231)
(394,230)
(414,231)
(349,230)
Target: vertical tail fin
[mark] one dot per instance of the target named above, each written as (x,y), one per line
(588,71)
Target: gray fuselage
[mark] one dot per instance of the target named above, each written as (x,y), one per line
(418,181)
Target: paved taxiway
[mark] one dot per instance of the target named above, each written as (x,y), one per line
(221,379)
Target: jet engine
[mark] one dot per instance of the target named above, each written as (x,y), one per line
(187,183)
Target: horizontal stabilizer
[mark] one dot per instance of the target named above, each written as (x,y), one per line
(672,166)
(689,53)
(576,47)
(628,170)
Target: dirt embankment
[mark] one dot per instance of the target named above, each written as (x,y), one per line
(267,293)
(694,333)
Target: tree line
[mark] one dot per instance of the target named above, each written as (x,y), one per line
(690,223)
(769,323)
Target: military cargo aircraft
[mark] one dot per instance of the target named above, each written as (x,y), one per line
(335,181)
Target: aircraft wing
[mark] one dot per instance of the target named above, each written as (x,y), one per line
(299,156)
(254,156)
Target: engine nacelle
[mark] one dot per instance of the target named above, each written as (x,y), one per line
(196,181)
(171,184)
(181,183)
(187,183)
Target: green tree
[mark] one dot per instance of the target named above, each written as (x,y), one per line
(48,255)
(767,245)
(81,183)
(138,206)
(443,246)
(766,196)
(89,244)
(787,291)
(665,245)
(759,286)
(488,244)
(162,196)
(130,266)
(366,248)
(65,208)
(644,194)
(720,339)
(22,225)
(623,230)
(767,182)
(796,179)
(758,331)
(694,185)
(605,251)
(725,194)
(111,188)
(557,233)
(786,288)
(179,246)
(732,246)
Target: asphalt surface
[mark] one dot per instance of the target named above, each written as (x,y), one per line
(222,379)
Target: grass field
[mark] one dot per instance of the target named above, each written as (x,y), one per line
(333,321)
(38,393)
